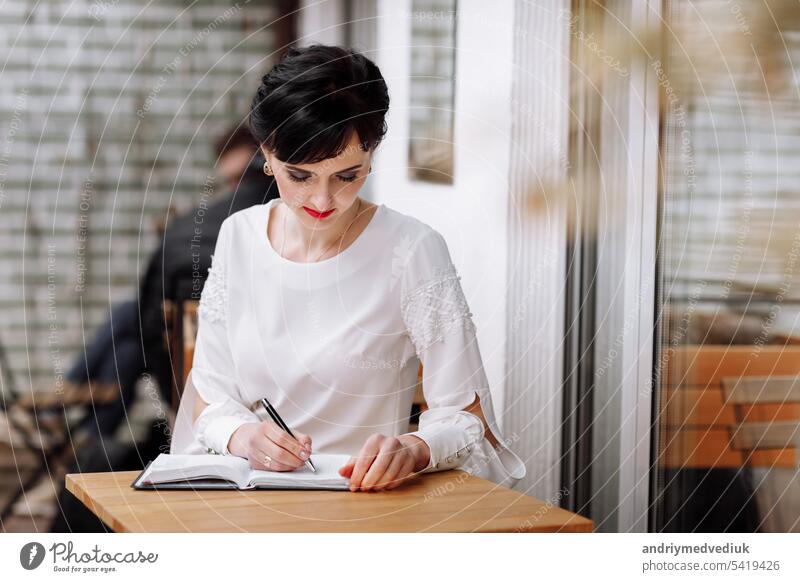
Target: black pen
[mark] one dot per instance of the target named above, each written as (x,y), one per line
(279,421)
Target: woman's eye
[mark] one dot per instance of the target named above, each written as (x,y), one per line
(296,178)
(348,178)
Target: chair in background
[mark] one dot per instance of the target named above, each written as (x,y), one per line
(776,427)
(181,318)
(721,397)
(728,413)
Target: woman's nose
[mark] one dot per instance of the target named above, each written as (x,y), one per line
(321,201)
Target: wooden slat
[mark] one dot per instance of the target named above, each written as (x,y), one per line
(26,524)
(712,390)
(766,435)
(692,407)
(447,501)
(759,389)
(700,448)
(767,412)
(697,408)
(419,397)
(169,309)
(96,393)
(702,366)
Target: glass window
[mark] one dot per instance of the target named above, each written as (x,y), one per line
(728,365)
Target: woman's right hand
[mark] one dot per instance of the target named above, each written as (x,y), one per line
(268,447)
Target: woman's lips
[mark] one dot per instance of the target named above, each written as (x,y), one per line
(318,215)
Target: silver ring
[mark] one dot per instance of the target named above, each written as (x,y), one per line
(267,461)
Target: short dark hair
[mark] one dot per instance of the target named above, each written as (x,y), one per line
(311,102)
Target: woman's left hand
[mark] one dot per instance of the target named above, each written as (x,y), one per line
(384,462)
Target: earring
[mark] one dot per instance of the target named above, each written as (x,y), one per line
(267,169)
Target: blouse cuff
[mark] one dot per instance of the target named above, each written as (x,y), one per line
(215,432)
(450,440)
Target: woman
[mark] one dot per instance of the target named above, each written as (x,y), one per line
(326,303)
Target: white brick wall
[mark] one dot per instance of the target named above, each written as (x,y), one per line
(108,112)
(731,202)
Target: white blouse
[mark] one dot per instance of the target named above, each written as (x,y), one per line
(336,345)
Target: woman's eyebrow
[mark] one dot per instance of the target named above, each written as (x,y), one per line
(296,169)
(350,168)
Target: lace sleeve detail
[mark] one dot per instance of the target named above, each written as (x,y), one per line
(436,307)
(214,299)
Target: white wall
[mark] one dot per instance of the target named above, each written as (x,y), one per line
(321,22)
(472,212)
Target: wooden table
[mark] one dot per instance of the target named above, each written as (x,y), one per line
(447,501)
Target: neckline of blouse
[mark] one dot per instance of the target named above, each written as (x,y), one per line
(352,249)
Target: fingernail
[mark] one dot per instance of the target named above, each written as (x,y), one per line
(303,454)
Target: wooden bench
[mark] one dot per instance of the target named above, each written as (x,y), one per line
(730,406)
(775,425)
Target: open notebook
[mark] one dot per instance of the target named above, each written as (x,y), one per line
(229,472)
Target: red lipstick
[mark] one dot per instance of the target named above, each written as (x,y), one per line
(318,215)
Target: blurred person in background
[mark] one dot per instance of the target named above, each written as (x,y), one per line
(123,350)
(177,270)
(131,342)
